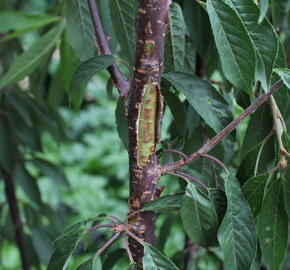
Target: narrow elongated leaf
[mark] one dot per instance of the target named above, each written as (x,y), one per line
(253,191)
(153,259)
(237,233)
(272,226)
(164,203)
(198,216)
(80,29)
(260,34)
(16,23)
(284,74)
(89,68)
(234,45)
(121,123)
(207,102)
(30,59)
(175,41)
(123,13)
(264,5)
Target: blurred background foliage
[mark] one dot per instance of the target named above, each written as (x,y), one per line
(65,155)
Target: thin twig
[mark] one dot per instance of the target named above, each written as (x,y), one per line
(133,214)
(107,244)
(116,218)
(98,227)
(140,241)
(187,177)
(127,248)
(217,161)
(173,151)
(227,130)
(104,48)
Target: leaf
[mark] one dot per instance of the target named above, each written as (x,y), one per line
(123,13)
(133,266)
(16,23)
(260,35)
(234,45)
(219,200)
(28,184)
(121,123)
(198,216)
(237,233)
(164,203)
(51,170)
(284,74)
(264,5)
(165,230)
(91,264)
(253,191)
(207,102)
(272,226)
(175,41)
(80,29)
(89,68)
(113,258)
(153,259)
(28,61)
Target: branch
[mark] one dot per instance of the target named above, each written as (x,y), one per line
(103,47)
(15,216)
(227,130)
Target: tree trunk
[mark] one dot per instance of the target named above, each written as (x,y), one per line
(145,107)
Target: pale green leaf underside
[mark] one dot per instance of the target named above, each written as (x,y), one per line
(237,233)
(263,37)
(207,102)
(28,61)
(272,226)
(154,260)
(198,216)
(80,29)
(284,74)
(234,45)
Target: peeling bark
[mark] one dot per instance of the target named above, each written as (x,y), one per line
(145,106)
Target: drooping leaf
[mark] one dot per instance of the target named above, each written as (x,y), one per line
(153,259)
(123,13)
(164,203)
(28,61)
(234,45)
(175,41)
(272,226)
(264,5)
(237,233)
(91,264)
(260,35)
(113,258)
(80,29)
(28,184)
(219,200)
(165,230)
(198,216)
(284,74)
(253,191)
(17,23)
(121,123)
(89,68)
(207,102)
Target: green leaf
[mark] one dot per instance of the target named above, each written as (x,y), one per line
(260,35)
(91,264)
(133,266)
(17,23)
(204,98)
(164,203)
(123,13)
(28,184)
(89,68)
(234,45)
(121,123)
(284,74)
(198,216)
(264,6)
(175,41)
(272,226)
(237,233)
(153,259)
(28,61)
(219,200)
(113,258)
(80,29)
(253,191)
